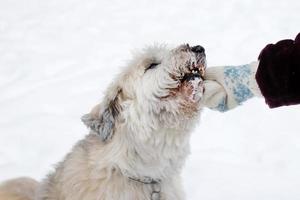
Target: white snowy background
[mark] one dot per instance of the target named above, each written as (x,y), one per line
(57,57)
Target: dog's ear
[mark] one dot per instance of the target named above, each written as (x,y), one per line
(103,116)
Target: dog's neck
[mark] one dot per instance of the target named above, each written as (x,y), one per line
(157,154)
(145,145)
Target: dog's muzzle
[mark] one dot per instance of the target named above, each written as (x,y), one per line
(197,70)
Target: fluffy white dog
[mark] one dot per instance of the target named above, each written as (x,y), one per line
(140,133)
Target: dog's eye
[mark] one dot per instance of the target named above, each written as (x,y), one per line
(152,66)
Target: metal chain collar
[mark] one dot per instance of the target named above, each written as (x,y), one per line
(155,185)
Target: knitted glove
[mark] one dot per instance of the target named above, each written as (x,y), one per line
(278,73)
(229,86)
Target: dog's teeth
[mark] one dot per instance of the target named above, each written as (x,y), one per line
(195,72)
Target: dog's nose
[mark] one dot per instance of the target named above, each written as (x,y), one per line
(198,49)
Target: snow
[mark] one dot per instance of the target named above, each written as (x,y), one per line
(57,57)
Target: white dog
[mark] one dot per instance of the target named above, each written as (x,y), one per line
(139,136)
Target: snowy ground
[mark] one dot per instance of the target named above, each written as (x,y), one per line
(57,57)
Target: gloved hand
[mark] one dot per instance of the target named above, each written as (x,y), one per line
(278,73)
(229,86)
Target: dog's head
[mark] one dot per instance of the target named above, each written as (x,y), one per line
(161,87)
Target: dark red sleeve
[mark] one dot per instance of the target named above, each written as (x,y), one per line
(278,73)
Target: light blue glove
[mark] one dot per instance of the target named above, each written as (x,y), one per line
(227,87)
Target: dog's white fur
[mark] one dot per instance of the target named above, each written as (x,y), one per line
(18,189)
(141,129)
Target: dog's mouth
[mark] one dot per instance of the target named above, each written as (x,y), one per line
(195,68)
(195,73)
(191,81)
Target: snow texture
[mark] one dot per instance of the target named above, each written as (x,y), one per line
(57,57)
